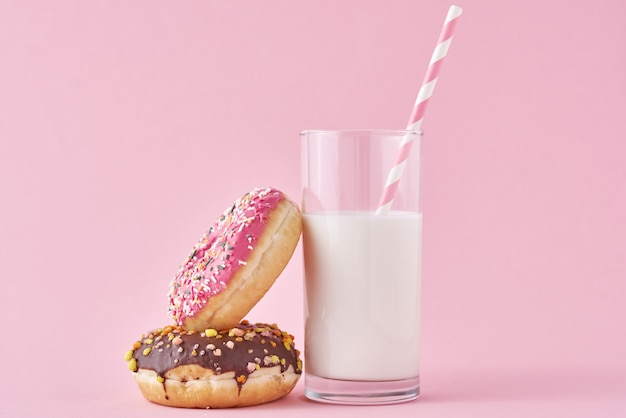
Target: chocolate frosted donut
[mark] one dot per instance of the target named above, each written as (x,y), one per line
(246,365)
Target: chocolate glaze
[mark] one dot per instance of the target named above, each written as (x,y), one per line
(237,350)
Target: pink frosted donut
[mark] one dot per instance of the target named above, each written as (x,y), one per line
(236,261)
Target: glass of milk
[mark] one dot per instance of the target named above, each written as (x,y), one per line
(362,267)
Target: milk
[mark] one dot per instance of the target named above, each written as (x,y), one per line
(362,279)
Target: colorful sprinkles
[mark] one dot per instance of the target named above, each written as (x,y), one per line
(221,251)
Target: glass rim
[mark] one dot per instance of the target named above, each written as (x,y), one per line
(401,132)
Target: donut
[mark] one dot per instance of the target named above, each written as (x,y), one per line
(236,261)
(246,365)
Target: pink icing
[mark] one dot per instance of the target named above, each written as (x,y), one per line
(221,251)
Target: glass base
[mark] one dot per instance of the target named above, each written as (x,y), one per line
(349,392)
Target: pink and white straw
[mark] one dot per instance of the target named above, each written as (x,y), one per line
(419,108)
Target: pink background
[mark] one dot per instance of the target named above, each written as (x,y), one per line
(127,127)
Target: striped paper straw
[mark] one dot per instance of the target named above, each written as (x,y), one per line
(419,108)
